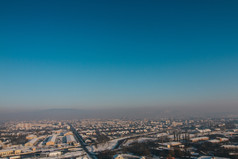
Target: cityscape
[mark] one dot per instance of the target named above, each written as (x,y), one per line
(118,79)
(120,138)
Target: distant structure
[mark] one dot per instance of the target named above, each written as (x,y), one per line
(51,140)
(70,139)
(25,126)
(32,142)
(199,139)
(29,137)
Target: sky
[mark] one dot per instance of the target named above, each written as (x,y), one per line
(108,54)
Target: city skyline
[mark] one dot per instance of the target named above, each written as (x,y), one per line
(117,54)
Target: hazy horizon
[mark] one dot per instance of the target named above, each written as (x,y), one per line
(118,54)
(176,112)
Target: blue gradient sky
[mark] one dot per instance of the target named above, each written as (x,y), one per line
(81,54)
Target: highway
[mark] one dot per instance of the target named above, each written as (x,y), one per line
(91,155)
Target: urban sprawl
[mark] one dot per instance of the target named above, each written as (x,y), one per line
(120,139)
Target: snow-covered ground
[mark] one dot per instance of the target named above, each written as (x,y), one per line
(106,146)
(110,145)
(140,140)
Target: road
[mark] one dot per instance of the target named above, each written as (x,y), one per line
(82,142)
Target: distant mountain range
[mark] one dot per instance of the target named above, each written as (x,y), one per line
(131,113)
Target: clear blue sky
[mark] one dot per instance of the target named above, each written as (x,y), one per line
(56,54)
